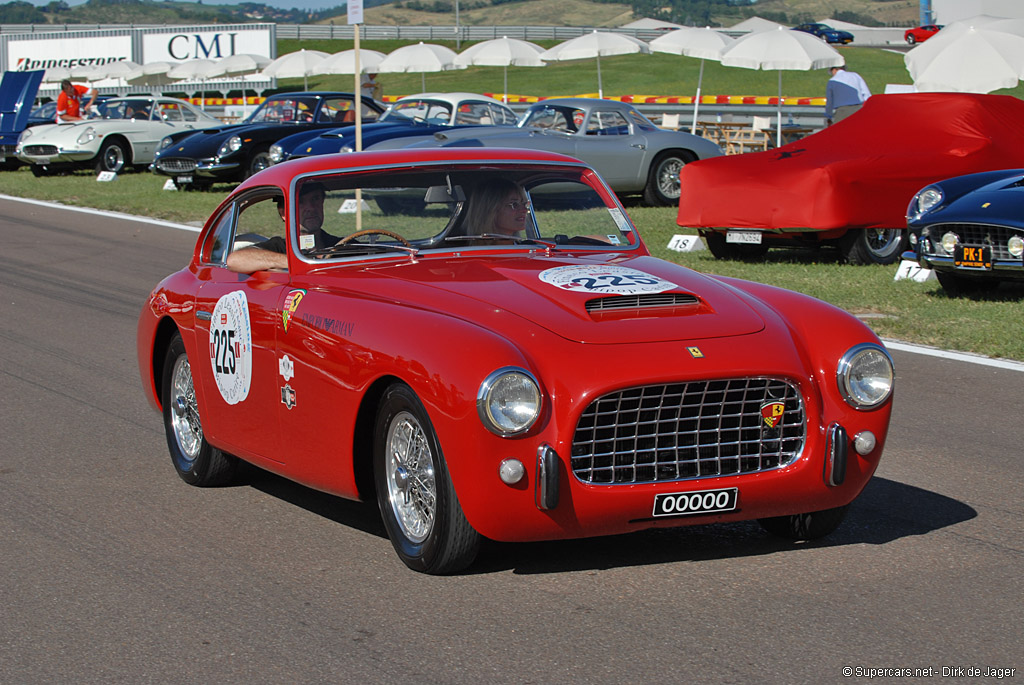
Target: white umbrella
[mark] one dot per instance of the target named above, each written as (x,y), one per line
(243,63)
(596,44)
(781,49)
(56,74)
(702,43)
(971,59)
(120,69)
(295,64)
(344,62)
(86,72)
(151,74)
(419,58)
(502,52)
(196,70)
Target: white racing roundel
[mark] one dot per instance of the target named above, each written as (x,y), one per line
(231,347)
(602,278)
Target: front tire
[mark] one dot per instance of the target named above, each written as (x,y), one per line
(417,501)
(195,460)
(810,526)
(662,187)
(910,39)
(258,161)
(873,245)
(114,156)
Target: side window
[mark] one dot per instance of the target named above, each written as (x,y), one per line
(502,117)
(335,109)
(249,221)
(216,250)
(606,123)
(169,111)
(474,113)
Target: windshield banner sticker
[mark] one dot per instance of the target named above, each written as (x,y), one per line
(231,347)
(602,278)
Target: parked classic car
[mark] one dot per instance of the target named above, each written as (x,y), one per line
(970,230)
(631,153)
(510,362)
(826,33)
(123,134)
(920,34)
(228,154)
(414,115)
(17,93)
(848,185)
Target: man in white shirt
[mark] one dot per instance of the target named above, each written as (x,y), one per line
(845,93)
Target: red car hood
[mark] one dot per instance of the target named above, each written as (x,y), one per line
(535,289)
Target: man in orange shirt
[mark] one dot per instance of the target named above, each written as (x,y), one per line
(69,101)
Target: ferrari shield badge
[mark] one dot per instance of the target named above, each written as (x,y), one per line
(771,414)
(291,304)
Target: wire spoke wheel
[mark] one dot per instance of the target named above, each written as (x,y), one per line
(410,477)
(188,429)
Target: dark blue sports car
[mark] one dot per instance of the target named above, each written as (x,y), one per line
(413,115)
(233,153)
(826,33)
(970,230)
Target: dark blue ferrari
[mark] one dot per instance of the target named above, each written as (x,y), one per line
(970,230)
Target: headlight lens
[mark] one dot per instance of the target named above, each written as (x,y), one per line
(865,376)
(166,142)
(1015,246)
(925,201)
(346,148)
(949,242)
(230,145)
(87,135)
(25,135)
(509,401)
(276,153)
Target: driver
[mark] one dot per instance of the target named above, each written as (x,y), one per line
(272,253)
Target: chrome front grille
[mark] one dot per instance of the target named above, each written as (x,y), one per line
(176,165)
(40,150)
(7,150)
(681,431)
(644,301)
(977,235)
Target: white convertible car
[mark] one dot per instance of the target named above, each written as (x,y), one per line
(126,134)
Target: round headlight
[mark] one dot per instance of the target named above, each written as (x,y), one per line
(865,376)
(927,199)
(949,242)
(346,148)
(25,135)
(509,401)
(276,153)
(1015,246)
(230,145)
(166,142)
(87,135)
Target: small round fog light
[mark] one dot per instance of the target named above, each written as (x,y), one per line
(864,442)
(913,239)
(511,471)
(1016,246)
(949,242)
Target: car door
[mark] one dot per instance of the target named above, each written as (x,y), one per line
(237,318)
(606,141)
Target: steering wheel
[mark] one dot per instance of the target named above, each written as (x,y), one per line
(371,231)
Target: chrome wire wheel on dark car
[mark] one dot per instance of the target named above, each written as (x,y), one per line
(414,491)
(259,161)
(195,460)
(873,245)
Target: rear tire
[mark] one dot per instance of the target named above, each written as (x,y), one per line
(873,245)
(417,500)
(195,460)
(810,526)
(662,189)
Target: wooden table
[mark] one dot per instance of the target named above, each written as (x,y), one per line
(734,137)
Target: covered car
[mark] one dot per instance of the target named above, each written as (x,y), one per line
(849,184)
(228,154)
(508,363)
(632,154)
(413,115)
(970,230)
(124,133)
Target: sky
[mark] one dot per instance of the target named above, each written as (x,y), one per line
(283,4)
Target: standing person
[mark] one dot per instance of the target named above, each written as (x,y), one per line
(69,102)
(370,87)
(845,93)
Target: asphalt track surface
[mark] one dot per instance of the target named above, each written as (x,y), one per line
(115,571)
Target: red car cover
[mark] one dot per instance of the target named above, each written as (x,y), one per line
(861,172)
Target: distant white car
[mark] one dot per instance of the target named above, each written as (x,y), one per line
(127,134)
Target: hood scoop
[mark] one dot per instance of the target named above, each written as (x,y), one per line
(645,305)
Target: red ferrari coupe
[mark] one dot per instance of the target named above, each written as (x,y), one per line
(920,34)
(501,358)
(849,185)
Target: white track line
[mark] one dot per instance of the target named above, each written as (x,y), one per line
(891,344)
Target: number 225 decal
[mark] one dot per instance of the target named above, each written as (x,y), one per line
(231,347)
(601,278)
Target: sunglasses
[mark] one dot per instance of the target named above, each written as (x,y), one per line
(516,205)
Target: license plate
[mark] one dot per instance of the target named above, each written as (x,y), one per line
(184,179)
(700,502)
(41,160)
(745,237)
(966,257)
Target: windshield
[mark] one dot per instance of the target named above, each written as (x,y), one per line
(456,209)
(127,109)
(285,110)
